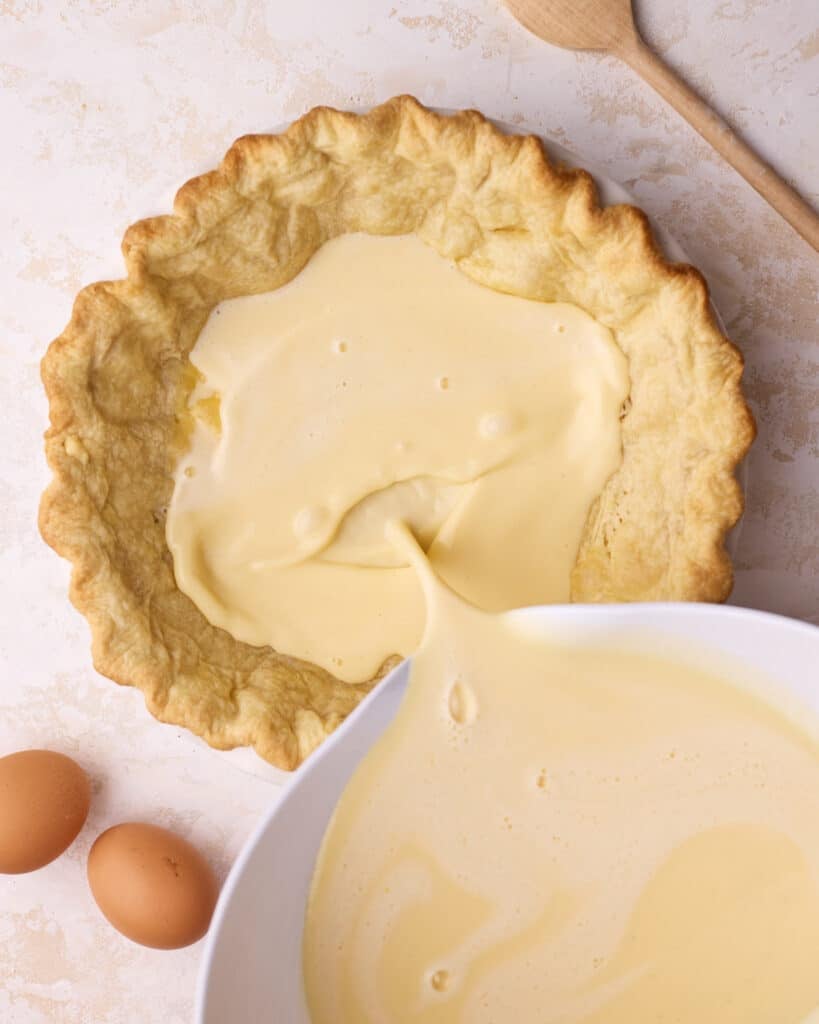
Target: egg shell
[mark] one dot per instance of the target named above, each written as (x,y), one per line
(152,885)
(44,801)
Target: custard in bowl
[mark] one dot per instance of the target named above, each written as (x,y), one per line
(631,828)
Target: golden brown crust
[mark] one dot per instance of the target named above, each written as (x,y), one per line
(117,380)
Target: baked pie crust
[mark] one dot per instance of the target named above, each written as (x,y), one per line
(118,379)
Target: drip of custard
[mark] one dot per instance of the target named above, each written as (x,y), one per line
(382,382)
(551,833)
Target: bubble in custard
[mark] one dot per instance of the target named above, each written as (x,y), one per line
(495,424)
(462,704)
(440,981)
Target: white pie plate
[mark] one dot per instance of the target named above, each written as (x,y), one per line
(251,969)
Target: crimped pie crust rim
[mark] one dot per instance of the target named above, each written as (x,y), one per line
(284,732)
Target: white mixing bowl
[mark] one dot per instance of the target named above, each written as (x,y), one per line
(251,971)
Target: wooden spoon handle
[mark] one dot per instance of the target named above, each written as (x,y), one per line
(761,176)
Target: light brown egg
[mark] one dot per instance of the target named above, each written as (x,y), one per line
(152,885)
(44,800)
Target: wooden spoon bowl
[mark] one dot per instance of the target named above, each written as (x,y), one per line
(578,24)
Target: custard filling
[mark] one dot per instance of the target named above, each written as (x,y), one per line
(382,383)
(550,833)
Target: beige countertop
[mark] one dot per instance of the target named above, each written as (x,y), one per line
(106,108)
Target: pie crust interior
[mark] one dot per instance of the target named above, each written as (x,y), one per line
(118,379)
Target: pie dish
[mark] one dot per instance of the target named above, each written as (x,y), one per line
(118,379)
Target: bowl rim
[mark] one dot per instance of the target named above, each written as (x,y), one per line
(614,615)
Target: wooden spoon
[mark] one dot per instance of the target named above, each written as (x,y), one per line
(608,26)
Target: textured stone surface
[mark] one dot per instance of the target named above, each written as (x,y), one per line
(107,107)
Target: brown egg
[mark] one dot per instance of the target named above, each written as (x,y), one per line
(44,800)
(152,885)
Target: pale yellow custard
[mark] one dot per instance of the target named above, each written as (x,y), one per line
(382,382)
(556,834)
